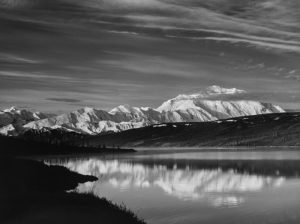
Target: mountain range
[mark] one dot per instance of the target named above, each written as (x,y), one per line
(210,104)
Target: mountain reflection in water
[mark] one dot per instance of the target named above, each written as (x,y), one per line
(215,185)
(175,189)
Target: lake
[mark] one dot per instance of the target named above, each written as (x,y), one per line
(197,187)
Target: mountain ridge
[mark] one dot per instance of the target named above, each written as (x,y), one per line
(197,107)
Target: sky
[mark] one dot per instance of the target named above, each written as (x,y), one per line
(61,55)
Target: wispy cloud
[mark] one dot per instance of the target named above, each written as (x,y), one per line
(284,47)
(155,66)
(9,58)
(17,74)
(65,100)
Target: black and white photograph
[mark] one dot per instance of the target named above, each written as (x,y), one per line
(149,111)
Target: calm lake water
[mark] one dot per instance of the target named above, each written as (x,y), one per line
(198,187)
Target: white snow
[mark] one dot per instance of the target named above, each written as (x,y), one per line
(196,107)
(230,120)
(159,125)
(7,130)
(209,92)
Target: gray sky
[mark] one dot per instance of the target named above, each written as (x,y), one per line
(61,55)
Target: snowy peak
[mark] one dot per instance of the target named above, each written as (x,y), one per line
(208,102)
(121,109)
(129,110)
(210,91)
(13,109)
(217,90)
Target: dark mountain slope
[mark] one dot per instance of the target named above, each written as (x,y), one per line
(261,130)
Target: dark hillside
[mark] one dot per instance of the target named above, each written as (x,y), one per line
(260,130)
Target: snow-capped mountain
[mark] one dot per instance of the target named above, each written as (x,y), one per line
(208,110)
(13,118)
(196,107)
(92,121)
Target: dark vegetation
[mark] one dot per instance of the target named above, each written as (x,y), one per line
(31,192)
(260,130)
(54,143)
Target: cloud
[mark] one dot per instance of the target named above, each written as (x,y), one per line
(293,76)
(66,100)
(213,92)
(16,74)
(155,66)
(9,58)
(284,47)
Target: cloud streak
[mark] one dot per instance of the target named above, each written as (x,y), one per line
(279,46)
(64,100)
(31,75)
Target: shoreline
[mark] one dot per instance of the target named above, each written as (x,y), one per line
(158,151)
(34,192)
(217,149)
